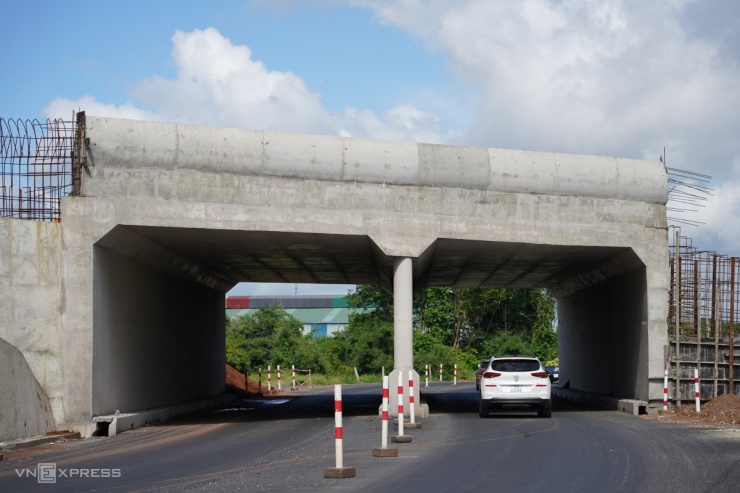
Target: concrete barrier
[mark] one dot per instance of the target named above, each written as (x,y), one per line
(24,407)
(632,406)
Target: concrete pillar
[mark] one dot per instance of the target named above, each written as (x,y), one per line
(403,304)
(403,347)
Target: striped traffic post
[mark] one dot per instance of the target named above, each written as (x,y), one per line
(259,375)
(339,471)
(665,391)
(400,438)
(440,372)
(269,379)
(426,375)
(411,397)
(292,368)
(280,387)
(412,408)
(454,375)
(696,389)
(384,451)
(400,402)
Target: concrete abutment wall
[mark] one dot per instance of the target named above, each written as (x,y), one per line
(604,337)
(158,339)
(31,303)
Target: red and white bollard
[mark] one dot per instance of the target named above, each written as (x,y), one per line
(401,438)
(280,387)
(338,434)
(696,390)
(339,471)
(440,372)
(400,402)
(454,375)
(665,391)
(269,379)
(411,399)
(259,374)
(384,451)
(384,432)
(293,371)
(426,375)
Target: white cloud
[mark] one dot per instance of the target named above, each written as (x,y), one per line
(622,78)
(403,122)
(218,83)
(63,108)
(617,78)
(720,217)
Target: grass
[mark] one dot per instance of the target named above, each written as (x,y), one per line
(345,378)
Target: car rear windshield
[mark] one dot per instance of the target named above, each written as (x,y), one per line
(515,365)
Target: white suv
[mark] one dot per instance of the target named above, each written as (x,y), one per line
(514,381)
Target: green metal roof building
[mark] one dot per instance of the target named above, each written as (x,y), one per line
(321,315)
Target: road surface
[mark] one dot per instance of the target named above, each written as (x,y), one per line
(286,443)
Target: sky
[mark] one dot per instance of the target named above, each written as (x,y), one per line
(624,78)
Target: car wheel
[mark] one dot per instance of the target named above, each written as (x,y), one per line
(545,412)
(482,410)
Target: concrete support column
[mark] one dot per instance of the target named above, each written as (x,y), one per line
(403,305)
(403,346)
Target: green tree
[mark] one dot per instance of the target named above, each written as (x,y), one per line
(270,336)
(367,341)
(368,344)
(373,302)
(543,338)
(433,315)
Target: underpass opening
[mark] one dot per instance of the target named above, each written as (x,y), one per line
(159,295)
(158,303)
(601,295)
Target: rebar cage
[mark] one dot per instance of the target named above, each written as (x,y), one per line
(704,298)
(39,164)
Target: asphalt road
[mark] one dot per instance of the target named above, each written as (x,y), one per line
(285,444)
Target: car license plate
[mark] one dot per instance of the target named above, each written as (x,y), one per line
(516,388)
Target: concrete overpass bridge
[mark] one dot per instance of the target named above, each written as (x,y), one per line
(120,306)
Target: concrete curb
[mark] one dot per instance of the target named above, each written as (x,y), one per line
(635,407)
(113,424)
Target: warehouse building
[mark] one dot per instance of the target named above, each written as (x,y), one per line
(322,316)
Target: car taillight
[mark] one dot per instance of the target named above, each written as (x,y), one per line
(491,374)
(540,374)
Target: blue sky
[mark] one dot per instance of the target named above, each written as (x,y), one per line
(623,78)
(77,48)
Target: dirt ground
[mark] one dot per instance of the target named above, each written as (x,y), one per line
(721,411)
(239,383)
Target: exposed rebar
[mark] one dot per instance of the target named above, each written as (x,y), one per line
(35,167)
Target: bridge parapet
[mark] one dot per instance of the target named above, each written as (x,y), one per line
(134,144)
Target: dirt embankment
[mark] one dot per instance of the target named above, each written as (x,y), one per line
(721,411)
(240,383)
